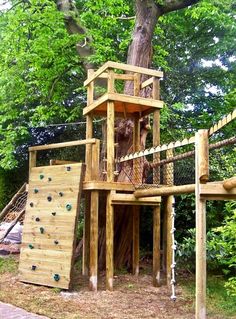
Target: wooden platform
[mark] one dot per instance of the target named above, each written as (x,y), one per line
(125,105)
(50,223)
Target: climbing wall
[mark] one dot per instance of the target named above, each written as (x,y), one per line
(50,224)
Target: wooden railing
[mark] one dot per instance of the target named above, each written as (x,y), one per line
(92,164)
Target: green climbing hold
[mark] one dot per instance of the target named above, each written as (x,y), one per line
(41,230)
(68,207)
(56,277)
(41,176)
(36,190)
(31,246)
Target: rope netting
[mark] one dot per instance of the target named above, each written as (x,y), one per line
(16,208)
(177,166)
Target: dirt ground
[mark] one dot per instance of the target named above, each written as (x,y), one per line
(133,297)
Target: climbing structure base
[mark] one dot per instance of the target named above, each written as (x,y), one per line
(50,225)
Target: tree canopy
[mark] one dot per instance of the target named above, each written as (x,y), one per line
(47,45)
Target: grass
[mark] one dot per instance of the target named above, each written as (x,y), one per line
(218,301)
(8,264)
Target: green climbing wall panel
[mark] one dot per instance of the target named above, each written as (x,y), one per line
(48,241)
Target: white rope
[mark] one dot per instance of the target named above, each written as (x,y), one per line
(174,247)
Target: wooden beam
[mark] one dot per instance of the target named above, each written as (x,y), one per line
(86,235)
(124,67)
(61,145)
(103,185)
(32,160)
(203,156)
(61,162)
(157,246)
(230,183)
(147,83)
(165,191)
(130,199)
(110,141)
(168,210)
(216,189)
(201,173)
(93,279)
(135,256)
(109,243)
(156,130)
(117,76)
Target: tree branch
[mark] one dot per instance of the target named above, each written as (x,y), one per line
(173,5)
(73,26)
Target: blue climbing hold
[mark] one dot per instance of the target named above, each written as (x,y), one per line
(56,277)
(68,207)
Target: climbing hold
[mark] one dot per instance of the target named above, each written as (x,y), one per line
(41,230)
(41,176)
(31,204)
(37,219)
(49,198)
(68,207)
(56,277)
(61,194)
(31,246)
(33,267)
(36,190)
(49,179)
(68,168)
(53,213)
(56,242)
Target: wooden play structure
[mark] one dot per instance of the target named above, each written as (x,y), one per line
(54,190)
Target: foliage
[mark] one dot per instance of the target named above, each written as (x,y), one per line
(219,303)
(221,248)
(39,70)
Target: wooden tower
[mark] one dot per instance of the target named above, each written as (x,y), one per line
(114,105)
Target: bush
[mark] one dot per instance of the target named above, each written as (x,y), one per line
(221,248)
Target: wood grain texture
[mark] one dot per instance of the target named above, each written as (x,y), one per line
(48,240)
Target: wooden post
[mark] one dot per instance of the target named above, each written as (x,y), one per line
(167,238)
(168,211)
(156,246)
(86,235)
(156,130)
(94,240)
(89,129)
(137,178)
(109,242)
(202,173)
(32,160)
(110,141)
(135,257)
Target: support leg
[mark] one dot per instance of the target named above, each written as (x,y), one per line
(86,235)
(94,241)
(109,243)
(136,222)
(200,259)
(168,211)
(156,246)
